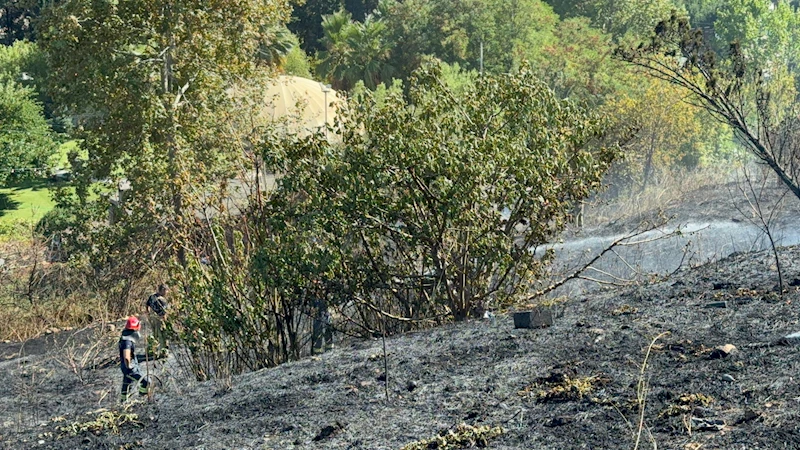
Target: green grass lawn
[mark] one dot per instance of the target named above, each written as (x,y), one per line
(25,202)
(59,160)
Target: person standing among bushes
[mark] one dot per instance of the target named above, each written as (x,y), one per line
(127,359)
(322,328)
(156,308)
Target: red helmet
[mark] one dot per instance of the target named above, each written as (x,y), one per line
(132,324)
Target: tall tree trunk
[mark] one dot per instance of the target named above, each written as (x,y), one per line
(171,104)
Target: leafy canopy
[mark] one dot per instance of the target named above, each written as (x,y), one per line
(26,142)
(148,83)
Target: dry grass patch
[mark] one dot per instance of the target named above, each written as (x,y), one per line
(100,422)
(671,189)
(569,390)
(462,436)
(685,404)
(624,310)
(562,387)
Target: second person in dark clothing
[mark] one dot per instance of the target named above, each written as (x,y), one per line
(156,308)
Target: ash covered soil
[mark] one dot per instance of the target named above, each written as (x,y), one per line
(574,385)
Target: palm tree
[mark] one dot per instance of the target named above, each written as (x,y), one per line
(354,51)
(332,60)
(276,42)
(370,54)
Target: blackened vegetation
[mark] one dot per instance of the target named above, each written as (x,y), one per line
(732,86)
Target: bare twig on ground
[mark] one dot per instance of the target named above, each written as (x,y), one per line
(77,357)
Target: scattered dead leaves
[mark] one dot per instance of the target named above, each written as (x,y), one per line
(624,309)
(682,349)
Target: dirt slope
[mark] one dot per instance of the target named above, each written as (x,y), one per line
(478,373)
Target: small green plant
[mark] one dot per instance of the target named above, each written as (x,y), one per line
(462,436)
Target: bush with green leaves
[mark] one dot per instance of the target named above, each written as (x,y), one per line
(252,305)
(439,201)
(431,206)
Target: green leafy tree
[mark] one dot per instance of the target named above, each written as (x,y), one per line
(26,141)
(149,84)
(766,31)
(280,50)
(408,22)
(671,133)
(459,27)
(457,79)
(276,43)
(297,63)
(618,17)
(24,63)
(337,29)
(456,30)
(307,18)
(16,20)
(630,17)
(702,13)
(521,29)
(306,22)
(360,9)
(578,64)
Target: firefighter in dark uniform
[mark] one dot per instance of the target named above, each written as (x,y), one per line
(127,359)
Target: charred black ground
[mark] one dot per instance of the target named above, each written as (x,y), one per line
(574,385)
